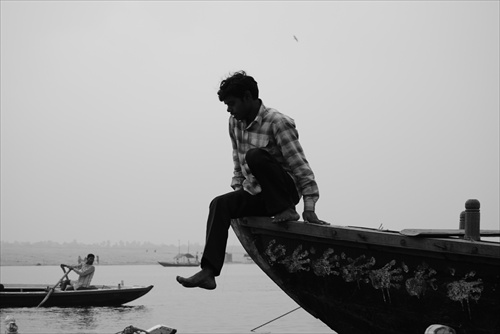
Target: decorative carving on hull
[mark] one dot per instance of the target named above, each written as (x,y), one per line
(392,275)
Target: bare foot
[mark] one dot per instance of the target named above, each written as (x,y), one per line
(287,215)
(204,279)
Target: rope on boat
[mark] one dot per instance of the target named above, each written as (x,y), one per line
(281,316)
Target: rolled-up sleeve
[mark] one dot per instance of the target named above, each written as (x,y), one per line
(287,138)
(238,177)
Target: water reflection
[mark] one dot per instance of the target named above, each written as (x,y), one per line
(85,317)
(189,311)
(87,320)
(76,319)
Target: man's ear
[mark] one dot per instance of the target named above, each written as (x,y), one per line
(247,96)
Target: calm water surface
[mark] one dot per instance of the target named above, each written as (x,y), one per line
(245,298)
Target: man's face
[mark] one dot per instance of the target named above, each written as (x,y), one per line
(238,108)
(90,260)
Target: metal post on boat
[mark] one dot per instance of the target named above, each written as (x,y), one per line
(462,221)
(472,220)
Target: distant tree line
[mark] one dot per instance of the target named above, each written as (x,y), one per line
(102,244)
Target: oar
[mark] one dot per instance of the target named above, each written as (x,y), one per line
(53,288)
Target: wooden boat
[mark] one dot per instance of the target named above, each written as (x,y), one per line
(24,295)
(362,280)
(182,260)
(158,329)
(178,264)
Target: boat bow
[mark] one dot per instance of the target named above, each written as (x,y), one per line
(361,280)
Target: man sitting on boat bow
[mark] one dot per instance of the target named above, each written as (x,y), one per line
(84,270)
(271,173)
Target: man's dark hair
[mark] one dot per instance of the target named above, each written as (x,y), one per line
(236,85)
(91,255)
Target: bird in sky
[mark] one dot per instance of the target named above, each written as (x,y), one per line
(295,37)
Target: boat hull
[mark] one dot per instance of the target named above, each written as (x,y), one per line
(32,295)
(173,264)
(359,280)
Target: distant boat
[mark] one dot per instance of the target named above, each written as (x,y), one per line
(247,259)
(371,281)
(30,295)
(158,329)
(182,260)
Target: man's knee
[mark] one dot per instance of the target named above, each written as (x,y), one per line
(217,203)
(224,200)
(213,204)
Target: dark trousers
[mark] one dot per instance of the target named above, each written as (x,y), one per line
(278,194)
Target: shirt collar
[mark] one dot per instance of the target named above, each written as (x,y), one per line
(258,118)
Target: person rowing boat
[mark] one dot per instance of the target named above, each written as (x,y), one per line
(84,270)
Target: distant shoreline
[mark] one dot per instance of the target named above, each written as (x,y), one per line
(13,254)
(57,264)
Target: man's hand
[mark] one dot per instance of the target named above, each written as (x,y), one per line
(312,218)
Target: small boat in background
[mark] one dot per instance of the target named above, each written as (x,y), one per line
(182,260)
(158,329)
(372,281)
(30,295)
(247,259)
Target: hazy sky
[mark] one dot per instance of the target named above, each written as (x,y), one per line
(111,128)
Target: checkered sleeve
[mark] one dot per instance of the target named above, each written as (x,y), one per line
(238,177)
(288,140)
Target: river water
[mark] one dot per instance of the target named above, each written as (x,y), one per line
(245,298)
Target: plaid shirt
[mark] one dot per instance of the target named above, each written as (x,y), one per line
(276,133)
(86,272)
